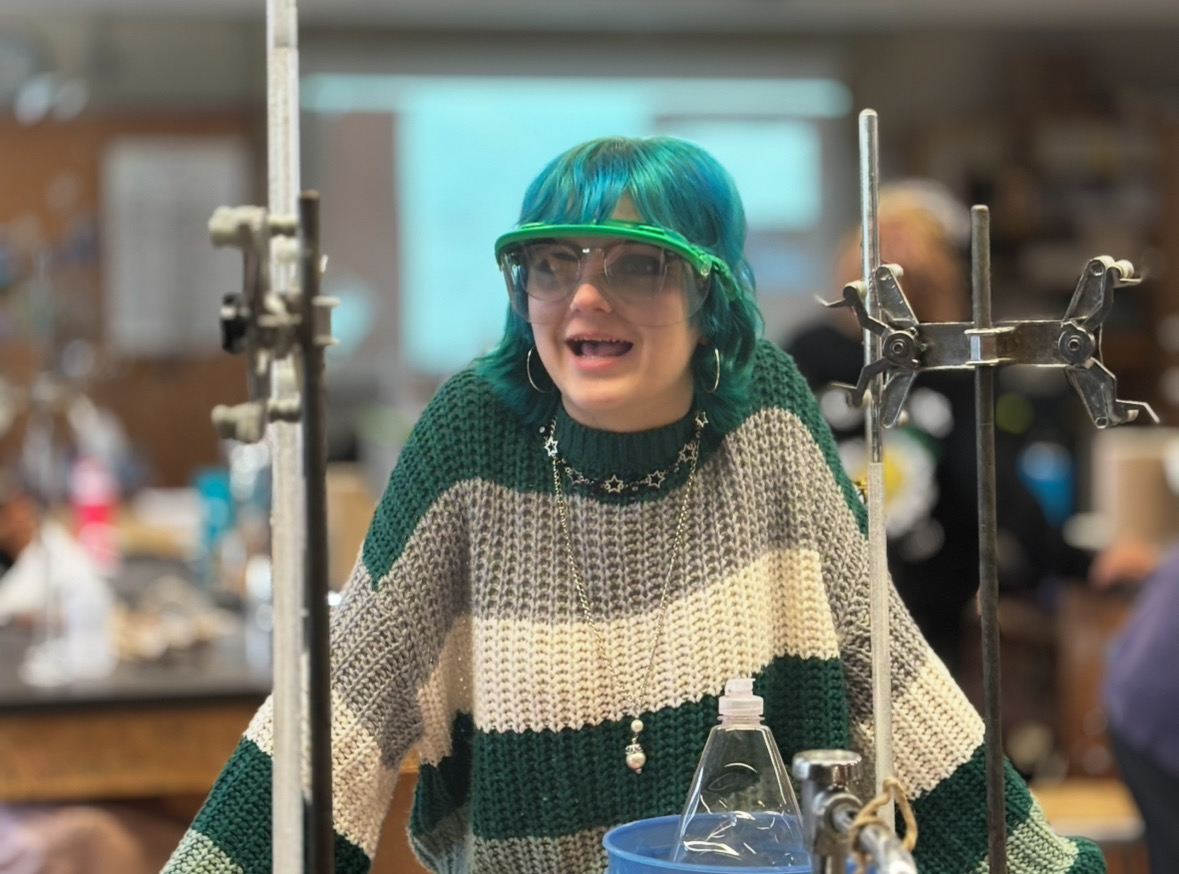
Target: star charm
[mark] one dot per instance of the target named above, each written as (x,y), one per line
(550,446)
(654,480)
(688,453)
(614,485)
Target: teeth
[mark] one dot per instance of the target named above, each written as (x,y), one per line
(601,348)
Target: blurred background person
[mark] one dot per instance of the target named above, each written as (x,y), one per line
(1141,699)
(39,559)
(45,573)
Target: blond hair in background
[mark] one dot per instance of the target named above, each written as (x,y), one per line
(919,230)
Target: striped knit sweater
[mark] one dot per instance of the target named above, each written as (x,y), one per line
(461,634)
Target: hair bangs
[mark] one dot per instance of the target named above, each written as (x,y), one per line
(582,186)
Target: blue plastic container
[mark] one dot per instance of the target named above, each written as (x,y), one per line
(644,847)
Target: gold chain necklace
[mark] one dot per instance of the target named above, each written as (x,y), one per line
(635,756)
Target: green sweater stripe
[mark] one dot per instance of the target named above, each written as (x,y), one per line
(350,859)
(237,805)
(432,462)
(511,455)
(445,788)
(584,781)
(238,813)
(1090,859)
(960,843)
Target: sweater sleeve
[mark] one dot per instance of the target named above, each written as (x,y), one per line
(937,734)
(400,605)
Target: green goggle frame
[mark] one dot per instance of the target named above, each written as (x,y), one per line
(702,261)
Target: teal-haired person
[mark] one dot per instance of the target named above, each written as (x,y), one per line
(629,501)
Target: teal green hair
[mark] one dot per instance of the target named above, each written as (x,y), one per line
(675,185)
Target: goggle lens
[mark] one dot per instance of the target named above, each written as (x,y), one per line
(648,285)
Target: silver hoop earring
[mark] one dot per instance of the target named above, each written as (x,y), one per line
(715,382)
(528,371)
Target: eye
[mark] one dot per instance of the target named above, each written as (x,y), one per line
(551,260)
(637,262)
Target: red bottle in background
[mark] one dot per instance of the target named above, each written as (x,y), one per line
(94,495)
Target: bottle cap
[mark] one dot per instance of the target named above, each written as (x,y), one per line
(739,700)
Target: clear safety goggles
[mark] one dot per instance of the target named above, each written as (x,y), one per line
(649,276)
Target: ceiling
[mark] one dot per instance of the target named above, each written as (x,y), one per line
(663,15)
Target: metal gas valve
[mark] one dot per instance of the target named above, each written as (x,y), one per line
(828,810)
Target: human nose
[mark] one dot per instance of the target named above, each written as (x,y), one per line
(591,280)
(589,295)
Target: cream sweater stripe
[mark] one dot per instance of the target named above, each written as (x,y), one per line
(197,853)
(936,726)
(537,676)
(550,659)
(447,693)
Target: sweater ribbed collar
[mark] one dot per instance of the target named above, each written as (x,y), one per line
(602,454)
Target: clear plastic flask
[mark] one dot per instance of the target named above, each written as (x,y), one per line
(741,811)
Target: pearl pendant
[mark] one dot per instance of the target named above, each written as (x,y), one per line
(635,757)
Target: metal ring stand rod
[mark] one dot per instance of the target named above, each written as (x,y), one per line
(984,418)
(315,334)
(288,525)
(874,439)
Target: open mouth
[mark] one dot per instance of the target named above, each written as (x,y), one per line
(598,347)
